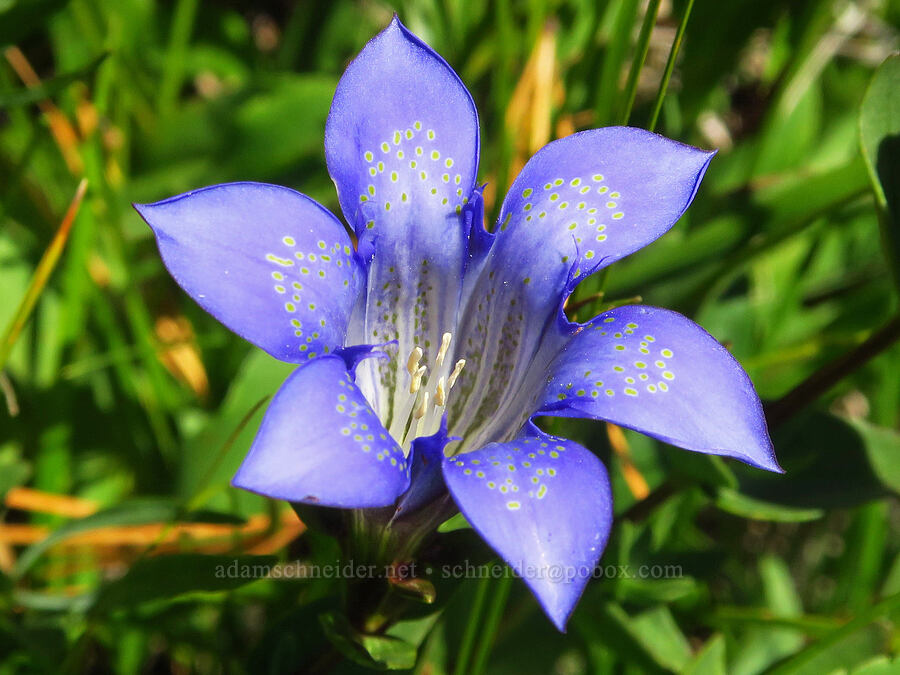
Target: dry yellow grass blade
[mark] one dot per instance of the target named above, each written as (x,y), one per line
(38,501)
(636,482)
(41,275)
(63,132)
(530,111)
(181,356)
(118,545)
(256,534)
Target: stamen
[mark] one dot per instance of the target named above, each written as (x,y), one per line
(420,414)
(440,396)
(442,352)
(416,381)
(423,407)
(457,369)
(412,363)
(416,426)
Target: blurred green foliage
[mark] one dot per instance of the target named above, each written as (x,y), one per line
(122,392)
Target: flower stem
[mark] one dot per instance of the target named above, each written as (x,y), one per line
(826,377)
(670,66)
(491,623)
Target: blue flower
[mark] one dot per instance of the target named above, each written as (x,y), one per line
(427,348)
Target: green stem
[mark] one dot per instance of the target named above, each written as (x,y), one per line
(826,377)
(491,623)
(640,55)
(863,619)
(670,66)
(472,625)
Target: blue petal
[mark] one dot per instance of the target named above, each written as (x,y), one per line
(401,144)
(426,482)
(654,371)
(268,262)
(579,204)
(401,140)
(596,196)
(545,505)
(321,443)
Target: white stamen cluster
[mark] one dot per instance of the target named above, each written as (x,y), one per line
(421,412)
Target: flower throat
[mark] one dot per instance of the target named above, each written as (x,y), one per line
(423,407)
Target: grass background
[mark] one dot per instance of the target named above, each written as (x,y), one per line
(128,408)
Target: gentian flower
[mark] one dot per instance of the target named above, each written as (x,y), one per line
(427,349)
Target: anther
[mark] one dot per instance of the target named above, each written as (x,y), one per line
(412,363)
(457,369)
(417,379)
(442,352)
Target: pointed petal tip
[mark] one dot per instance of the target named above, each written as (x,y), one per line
(772,465)
(397,27)
(763,456)
(764,459)
(146,212)
(560,622)
(559,615)
(237,480)
(141,208)
(538,533)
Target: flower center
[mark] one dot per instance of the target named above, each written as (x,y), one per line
(423,407)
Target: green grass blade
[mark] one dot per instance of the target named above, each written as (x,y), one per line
(640,55)
(670,66)
(41,275)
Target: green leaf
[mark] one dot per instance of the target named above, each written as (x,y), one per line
(769,635)
(879,134)
(611,625)
(414,631)
(47,89)
(14,470)
(453,523)
(880,665)
(741,226)
(418,589)
(826,465)
(53,602)
(212,457)
(276,130)
(373,651)
(779,587)
(652,591)
(293,641)
(651,639)
(657,631)
(703,469)
(710,660)
(845,646)
(168,576)
(741,505)
(882,447)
